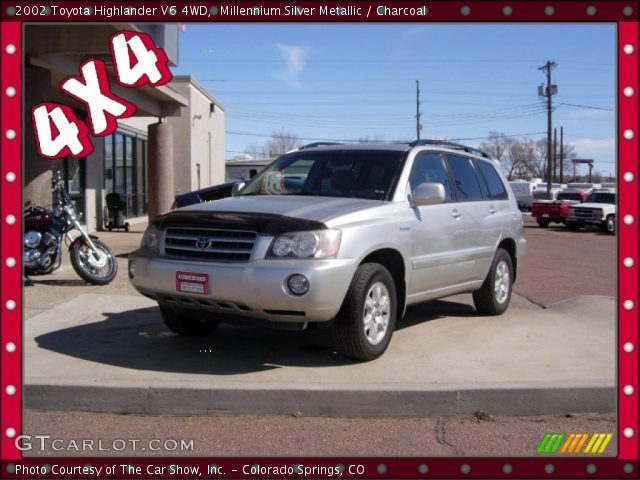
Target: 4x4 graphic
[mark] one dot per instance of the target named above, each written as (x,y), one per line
(574,443)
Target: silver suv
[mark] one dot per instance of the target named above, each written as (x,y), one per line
(340,235)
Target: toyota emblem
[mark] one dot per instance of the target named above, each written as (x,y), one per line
(203,243)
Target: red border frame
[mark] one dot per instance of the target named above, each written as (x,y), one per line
(11,277)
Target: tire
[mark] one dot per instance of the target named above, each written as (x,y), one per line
(610,225)
(573,226)
(90,270)
(126,227)
(351,337)
(188,324)
(543,222)
(494,295)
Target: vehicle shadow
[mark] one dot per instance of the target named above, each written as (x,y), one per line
(426,312)
(137,339)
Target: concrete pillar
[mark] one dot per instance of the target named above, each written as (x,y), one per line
(37,170)
(160,164)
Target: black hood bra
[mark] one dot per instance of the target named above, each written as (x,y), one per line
(268,223)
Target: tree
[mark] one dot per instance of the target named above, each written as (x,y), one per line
(525,157)
(496,145)
(281,141)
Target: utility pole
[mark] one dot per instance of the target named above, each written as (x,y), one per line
(555,154)
(548,91)
(418,126)
(561,157)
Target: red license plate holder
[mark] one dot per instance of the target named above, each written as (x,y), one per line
(192,282)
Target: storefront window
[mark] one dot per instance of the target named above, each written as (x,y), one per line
(125,171)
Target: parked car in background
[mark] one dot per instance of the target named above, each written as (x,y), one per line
(583,187)
(599,209)
(208,194)
(340,235)
(523,192)
(556,211)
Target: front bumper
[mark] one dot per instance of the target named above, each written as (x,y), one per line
(594,217)
(254,289)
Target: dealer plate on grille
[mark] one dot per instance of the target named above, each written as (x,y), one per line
(190,282)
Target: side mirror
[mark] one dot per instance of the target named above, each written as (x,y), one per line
(237,187)
(427,194)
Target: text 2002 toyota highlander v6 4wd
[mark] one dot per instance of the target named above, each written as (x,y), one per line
(348,234)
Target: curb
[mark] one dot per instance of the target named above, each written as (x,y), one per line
(337,403)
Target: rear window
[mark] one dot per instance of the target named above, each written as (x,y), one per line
(466,180)
(600,197)
(494,183)
(542,195)
(570,196)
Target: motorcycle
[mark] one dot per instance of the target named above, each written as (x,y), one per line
(44,231)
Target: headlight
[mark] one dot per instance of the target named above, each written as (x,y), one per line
(311,244)
(32,239)
(151,238)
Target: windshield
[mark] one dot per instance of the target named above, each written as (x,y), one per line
(367,174)
(600,197)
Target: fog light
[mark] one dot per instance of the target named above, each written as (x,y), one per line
(132,268)
(298,284)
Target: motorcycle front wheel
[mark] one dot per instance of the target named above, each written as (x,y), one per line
(98,270)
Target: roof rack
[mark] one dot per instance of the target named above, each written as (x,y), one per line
(318,144)
(455,146)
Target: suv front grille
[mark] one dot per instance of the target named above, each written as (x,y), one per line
(587,213)
(209,244)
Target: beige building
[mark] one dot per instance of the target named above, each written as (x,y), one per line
(174,141)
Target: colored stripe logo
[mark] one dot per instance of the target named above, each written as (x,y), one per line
(574,443)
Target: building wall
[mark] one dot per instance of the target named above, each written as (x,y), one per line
(218,153)
(205,144)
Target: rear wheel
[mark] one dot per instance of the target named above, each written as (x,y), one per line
(543,222)
(364,325)
(494,295)
(188,323)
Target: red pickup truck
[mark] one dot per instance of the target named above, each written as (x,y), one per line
(547,211)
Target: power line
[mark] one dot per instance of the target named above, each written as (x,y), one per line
(586,106)
(314,139)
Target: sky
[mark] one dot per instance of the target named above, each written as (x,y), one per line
(343,82)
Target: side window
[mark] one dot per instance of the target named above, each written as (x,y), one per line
(467,182)
(429,168)
(496,187)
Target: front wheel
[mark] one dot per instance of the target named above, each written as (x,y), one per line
(364,325)
(610,225)
(495,293)
(97,269)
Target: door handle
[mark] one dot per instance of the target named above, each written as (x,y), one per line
(455,214)
(492,210)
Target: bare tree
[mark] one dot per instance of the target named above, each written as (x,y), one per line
(520,154)
(496,145)
(281,141)
(525,157)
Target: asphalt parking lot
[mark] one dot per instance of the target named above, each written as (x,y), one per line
(562,264)
(558,336)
